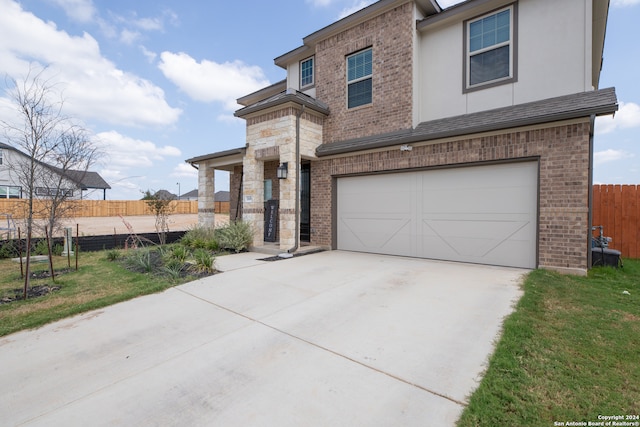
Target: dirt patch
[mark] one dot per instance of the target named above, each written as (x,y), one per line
(107,226)
(32,292)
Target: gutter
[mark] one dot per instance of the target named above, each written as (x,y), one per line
(297,231)
(590,193)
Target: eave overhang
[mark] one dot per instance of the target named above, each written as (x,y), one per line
(222,160)
(288,96)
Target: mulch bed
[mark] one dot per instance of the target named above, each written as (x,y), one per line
(32,292)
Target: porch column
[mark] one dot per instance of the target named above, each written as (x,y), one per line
(206,191)
(253,195)
(288,198)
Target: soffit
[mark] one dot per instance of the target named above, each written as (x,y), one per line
(428,7)
(222,160)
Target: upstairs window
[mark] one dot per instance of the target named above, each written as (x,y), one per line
(489,46)
(306,73)
(359,78)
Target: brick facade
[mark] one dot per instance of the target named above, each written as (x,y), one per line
(391,37)
(562,151)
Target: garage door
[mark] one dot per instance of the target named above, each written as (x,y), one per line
(479,214)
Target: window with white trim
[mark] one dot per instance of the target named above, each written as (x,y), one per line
(489,49)
(9,192)
(359,78)
(306,73)
(52,192)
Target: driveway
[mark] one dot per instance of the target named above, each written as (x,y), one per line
(329,339)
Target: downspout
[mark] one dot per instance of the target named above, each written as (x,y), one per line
(590,220)
(297,231)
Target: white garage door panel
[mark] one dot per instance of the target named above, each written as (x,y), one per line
(482,214)
(377,214)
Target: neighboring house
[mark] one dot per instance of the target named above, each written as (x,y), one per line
(74,181)
(462,134)
(191,195)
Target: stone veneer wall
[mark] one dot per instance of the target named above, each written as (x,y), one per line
(206,191)
(563,153)
(391,108)
(271,138)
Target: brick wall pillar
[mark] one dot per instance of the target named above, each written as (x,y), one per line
(287,223)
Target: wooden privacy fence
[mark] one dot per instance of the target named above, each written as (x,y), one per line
(98,208)
(617,209)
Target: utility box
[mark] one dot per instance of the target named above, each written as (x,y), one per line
(605,256)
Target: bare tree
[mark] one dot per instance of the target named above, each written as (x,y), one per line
(57,151)
(162,207)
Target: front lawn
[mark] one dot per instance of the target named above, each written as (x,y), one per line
(103,278)
(569,353)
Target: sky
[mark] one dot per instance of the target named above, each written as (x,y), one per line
(156,82)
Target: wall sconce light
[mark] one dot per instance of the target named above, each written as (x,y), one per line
(282,170)
(406,148)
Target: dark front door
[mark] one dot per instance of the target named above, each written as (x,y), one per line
(305,202)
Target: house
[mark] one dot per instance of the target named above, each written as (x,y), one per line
(462,134)
(191,195)
(74,181)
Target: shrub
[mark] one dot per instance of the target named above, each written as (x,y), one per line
(200,237)
(236,236)
(204,261)
(113,254)
(180,253)
(142,259)
(41,248)
(173,268)
(8,249)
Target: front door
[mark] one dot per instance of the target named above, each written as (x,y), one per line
(305,202)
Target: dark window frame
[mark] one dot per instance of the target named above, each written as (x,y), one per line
(312,83)
(513,51)
(360,83)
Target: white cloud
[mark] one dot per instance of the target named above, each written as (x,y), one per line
(610,155)
(208,81)
(128,36)
(151,56)
(319,3)
(94,88)
(624,3)
(78,10)
(627,116)
(361,4)
(125,152)
(184,170)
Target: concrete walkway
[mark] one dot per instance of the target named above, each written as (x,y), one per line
(329,339)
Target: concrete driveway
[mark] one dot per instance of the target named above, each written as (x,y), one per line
(329,339)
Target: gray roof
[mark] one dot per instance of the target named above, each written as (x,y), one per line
(193,194)
(221,196)
(84,179)
(290,95)
(87,179)
(216,155)
(584,104)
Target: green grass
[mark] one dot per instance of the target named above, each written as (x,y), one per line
(570,352)
(98,282)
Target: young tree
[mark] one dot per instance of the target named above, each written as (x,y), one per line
(58,151)
(162,207)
